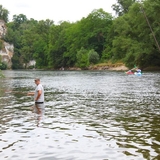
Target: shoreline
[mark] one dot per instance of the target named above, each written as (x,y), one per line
(112,67)
(100,68)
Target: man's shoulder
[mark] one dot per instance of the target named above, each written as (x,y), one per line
(40,86)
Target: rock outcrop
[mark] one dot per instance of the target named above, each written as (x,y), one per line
(7,50)
(3,29)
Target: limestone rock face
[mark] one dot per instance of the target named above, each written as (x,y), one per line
(7,50)
(3,29)
(7,54)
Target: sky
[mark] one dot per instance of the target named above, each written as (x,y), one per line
(56,10)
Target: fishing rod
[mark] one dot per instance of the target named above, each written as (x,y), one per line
(149,24)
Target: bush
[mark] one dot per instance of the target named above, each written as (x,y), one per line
(3,65)
(82,58)
(93,57)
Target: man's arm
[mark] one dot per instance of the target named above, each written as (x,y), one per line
(30,94)
(38,95)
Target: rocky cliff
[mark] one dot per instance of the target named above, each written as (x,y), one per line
(7,50)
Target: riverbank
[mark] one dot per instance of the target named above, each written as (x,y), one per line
(112,67)
(109,67)
(103,66)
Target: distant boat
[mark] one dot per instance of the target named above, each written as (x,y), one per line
(129,72)
(137,72)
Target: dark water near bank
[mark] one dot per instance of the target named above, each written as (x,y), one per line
(89,115)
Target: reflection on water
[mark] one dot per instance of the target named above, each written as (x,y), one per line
(88,115)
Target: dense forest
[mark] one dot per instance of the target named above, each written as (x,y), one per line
(131,37)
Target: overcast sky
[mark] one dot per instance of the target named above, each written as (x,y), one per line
(56,10)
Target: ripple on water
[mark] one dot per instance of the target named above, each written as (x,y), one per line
(88,115)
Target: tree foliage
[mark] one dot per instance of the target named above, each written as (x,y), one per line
(122,6)
(96,38)
(3,65)
(82,58)
(93,57)
(133,41)
(4,14)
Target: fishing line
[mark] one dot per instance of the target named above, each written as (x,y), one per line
(142,9)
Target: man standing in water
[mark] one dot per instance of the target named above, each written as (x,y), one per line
(38,97)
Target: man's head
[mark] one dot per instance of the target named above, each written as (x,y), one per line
(37,80)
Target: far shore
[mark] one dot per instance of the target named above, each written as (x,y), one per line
(111,68)
(101,68)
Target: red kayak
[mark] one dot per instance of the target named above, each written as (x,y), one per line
(129,72)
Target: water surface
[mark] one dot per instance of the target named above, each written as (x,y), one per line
(89,115)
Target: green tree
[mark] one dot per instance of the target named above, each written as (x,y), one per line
(93,57)
(82,58)
(91,33)
(3,65)
(133,41)
(97,26)
(122,6)
(73,43)
(18,33)
(4,14)
(57,47)
(19,19)
(41,43)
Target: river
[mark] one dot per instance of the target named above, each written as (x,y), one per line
(89,115)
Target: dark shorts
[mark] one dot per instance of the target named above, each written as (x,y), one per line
(39,102)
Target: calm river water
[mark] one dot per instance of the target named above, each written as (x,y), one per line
(89,115)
